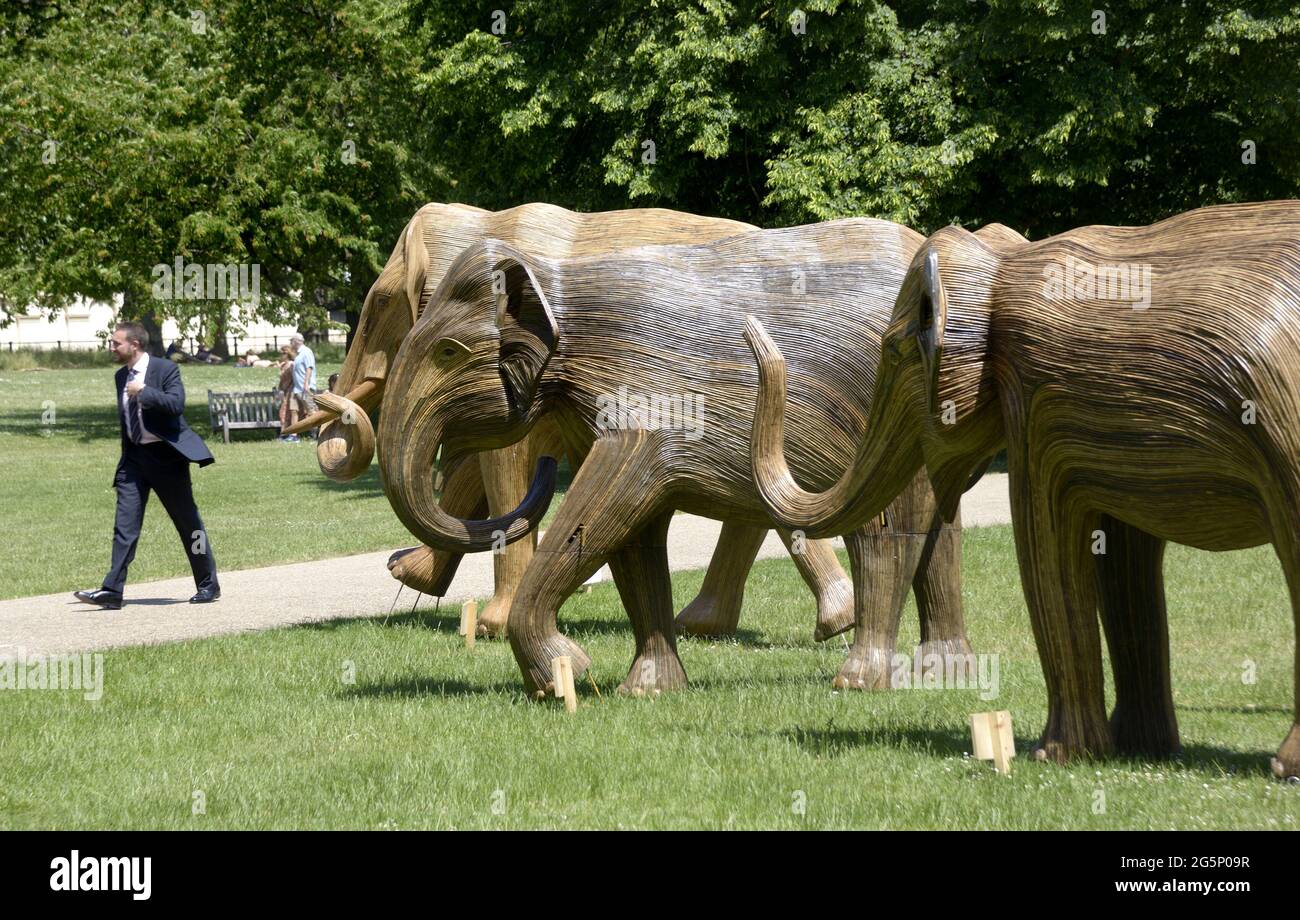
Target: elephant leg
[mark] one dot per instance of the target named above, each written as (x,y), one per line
(1054,549)
(883,562)
(1286,542)
(822,573)
(715,611)
(430,570)
(505,474)
(938,577)
(618,490)
(641,573)
(1131,593)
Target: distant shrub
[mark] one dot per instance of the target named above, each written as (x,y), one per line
(22,359)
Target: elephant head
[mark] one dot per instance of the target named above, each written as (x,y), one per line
(468,378)
(935,403)
(347,439)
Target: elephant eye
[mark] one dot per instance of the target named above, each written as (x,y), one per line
(447,351)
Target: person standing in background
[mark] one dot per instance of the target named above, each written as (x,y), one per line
(285,386)
(304,375)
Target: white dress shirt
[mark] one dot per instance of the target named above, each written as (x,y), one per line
(141,365)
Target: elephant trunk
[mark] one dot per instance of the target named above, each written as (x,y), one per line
(406,462)
(882,468)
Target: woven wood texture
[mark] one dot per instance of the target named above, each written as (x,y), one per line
(510,339)
(1167,411)
(431,241)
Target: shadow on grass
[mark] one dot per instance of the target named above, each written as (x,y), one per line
(446,618)
(1200,758)
(1240,710)
(749,638)
(100,423)
(86,424)
(1214,760)
(367,485)
(803,679)
(430,687)
(833,742)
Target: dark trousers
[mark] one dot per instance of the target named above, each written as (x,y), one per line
(159,468)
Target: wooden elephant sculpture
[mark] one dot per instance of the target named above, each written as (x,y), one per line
(635,356)
(1145,382)
(496,481)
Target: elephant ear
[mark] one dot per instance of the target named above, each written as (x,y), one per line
(529,332)
(417,287)
(930,322)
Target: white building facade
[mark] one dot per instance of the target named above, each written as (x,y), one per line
(87,324)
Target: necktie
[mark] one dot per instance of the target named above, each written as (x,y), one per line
(132,413)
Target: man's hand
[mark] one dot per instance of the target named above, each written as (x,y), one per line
(134,387)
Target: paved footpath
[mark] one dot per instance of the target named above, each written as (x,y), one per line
(348,586)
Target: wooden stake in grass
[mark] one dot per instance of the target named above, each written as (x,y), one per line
(992,739)
(562,675)
(469,622)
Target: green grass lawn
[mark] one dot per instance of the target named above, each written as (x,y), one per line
(263,501)
(432,735)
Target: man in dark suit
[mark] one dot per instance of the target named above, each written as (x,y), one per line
(157,450)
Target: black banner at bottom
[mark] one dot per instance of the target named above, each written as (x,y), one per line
(336,869)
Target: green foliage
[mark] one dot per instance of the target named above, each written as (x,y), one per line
(301,137)
(252,133)
(1020,111)
(1136,124)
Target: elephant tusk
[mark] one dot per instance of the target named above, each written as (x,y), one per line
(315,420)
(347,444)
(361,394)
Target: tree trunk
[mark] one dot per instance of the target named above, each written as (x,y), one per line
(353,320)
(146,318)
(220,344)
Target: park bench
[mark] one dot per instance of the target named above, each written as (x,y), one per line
(230,411)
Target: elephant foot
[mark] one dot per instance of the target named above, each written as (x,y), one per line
(707,617)
(539,683)
(1286,765)
(1082,740)
(943,657)
(423,569)
(403,562)
(1144,733)
(865,669)
(834,610)
(656,669)
(492,621)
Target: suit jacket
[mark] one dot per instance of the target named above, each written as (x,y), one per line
(162,407)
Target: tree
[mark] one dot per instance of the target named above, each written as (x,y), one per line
(136,134)
(299,137)
(1029,112)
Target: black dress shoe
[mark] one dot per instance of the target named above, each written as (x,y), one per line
(109,600)
(206,596)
